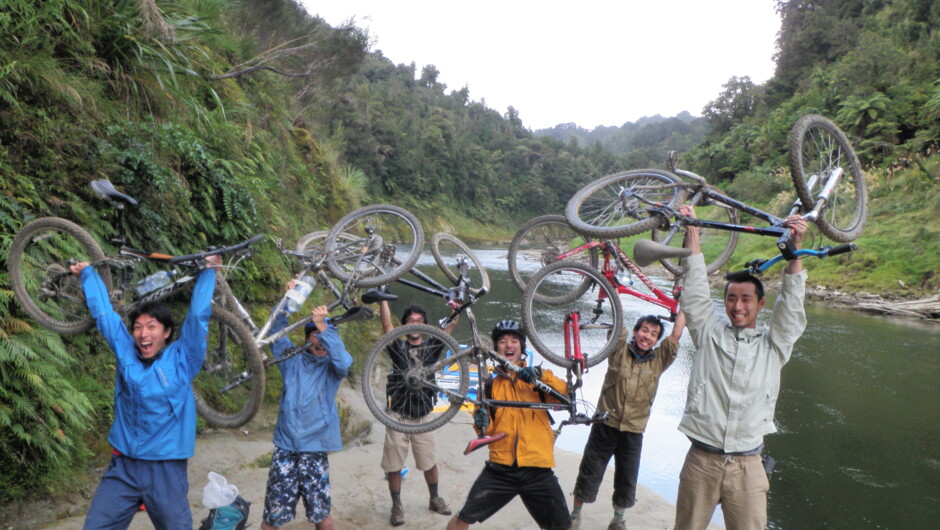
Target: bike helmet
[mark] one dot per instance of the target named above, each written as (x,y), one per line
(508,326)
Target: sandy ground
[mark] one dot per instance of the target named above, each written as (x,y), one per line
(360,493)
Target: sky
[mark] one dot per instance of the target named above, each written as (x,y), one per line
(594,62)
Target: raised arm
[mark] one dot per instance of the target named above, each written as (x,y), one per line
(195,327)
(677,328)
(799,226)
(386,316)
(109,323)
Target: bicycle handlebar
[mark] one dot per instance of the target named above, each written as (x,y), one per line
(761,265)
(224,250)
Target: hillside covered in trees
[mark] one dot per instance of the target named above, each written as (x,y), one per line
(230,118)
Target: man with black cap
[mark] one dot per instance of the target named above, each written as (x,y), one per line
(521,463)
(307,423)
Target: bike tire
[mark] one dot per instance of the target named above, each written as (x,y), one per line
(231,351)
(717,245)
(817,145)
(313,239)
(382,262)
(38,259)
(542,239)
(378,369)
(543,323)
(598,211)
(444,245)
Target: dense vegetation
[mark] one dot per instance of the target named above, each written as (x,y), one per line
(229,118)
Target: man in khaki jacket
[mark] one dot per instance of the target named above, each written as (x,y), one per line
(633,372)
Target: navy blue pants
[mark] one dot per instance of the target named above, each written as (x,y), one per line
(161,485)
(604,442)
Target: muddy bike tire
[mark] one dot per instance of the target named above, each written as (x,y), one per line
(415,378)
(717,245)
(597,210)
(39,252)
(443,244)
(231,351)
(544,238)
(543,323)
(817,145)
(395,226)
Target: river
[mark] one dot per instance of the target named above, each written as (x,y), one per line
(858,415)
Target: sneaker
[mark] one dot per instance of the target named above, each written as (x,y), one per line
(398,515)
(576,520)
(617,524)
(437,505)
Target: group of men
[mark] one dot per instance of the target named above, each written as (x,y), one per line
(732,393)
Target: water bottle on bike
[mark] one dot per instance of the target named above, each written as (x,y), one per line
(298,295)
(153,282)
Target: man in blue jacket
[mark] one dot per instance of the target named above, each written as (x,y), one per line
(307,423)
(154,429)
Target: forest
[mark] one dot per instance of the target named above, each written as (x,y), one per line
(229,118)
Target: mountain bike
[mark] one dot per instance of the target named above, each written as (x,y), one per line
(825,172)
(39,262)
(565,287)
(440,370)
(369,246)
(539,242)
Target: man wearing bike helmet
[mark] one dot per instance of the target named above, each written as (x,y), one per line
(733,388)
(153,434)
(521,463)
(633,372)
(308,425)
(411,406)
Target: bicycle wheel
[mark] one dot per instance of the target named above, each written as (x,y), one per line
(599,307)
(717,245)
(39,273)
(318,239)
(610,207)
(230,387)
(404,382)
(539,243)
(817,147)
(387,243)
(447,249)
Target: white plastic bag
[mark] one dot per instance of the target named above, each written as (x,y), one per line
(218,492)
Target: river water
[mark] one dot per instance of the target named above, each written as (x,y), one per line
(858,417)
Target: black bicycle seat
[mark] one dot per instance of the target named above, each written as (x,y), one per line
(374,295)
(106,191)
(354,314)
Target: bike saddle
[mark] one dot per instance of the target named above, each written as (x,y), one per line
(354,314)
(105,190)
(477,443)
(374,295)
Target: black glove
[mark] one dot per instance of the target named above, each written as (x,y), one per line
(481,419)
(530,374)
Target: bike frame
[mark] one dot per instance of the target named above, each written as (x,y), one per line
(610,249)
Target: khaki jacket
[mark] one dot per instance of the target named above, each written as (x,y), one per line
(529,440)
(630,386)
(735,376)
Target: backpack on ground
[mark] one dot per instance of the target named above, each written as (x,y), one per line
(231,517)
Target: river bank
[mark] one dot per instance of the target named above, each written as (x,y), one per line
(360,494)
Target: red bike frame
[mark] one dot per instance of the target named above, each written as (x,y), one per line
(609,248)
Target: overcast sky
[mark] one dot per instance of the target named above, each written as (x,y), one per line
(591,62)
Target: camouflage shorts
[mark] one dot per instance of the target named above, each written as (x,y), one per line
(294,476)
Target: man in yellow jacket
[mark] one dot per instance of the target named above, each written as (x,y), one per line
(521,463)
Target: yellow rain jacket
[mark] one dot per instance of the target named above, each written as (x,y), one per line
(529,440)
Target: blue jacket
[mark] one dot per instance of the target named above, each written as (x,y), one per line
(154,409)
(308,420)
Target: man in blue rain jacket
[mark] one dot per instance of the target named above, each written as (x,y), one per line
(307,423)
(154,429)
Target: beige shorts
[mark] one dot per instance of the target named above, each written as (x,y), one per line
(396,449)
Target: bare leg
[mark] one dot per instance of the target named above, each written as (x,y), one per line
(456,524)
(394,483)
(326,524)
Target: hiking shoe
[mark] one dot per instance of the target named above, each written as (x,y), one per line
(576,520)
(398,515)
(437,505)
(617,524)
